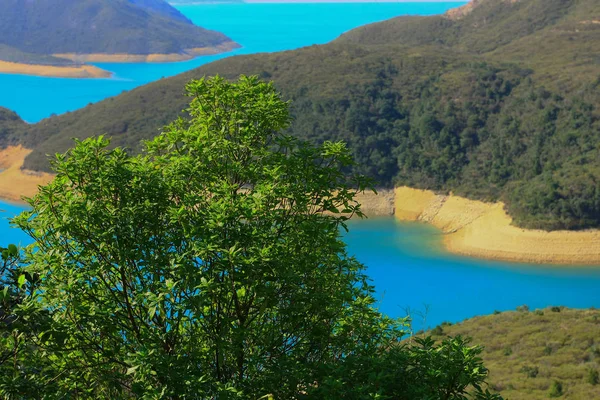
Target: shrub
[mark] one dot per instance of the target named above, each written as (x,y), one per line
(438,331)
(556,389)
(556,309)
(523,308)
(530,372)
(592,376)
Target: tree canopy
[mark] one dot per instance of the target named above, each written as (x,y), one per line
(211,266)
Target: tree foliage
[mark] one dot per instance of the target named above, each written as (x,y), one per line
(211,267)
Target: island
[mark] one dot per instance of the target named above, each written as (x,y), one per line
(60,38)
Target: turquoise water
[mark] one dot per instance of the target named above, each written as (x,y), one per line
(405,261)
(257,27)
(411,271)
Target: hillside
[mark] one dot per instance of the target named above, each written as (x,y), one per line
(532,353)
(74,29)
(500,103)
(10,125)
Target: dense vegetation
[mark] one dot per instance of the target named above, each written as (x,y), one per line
(10,124)
(541,354)
(498,104)
(12,54)
(205,268)
(99,26)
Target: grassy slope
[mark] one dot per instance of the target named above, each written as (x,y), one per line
(499,104)
(118,26)
(561,346)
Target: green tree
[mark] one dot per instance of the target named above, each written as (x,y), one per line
(20,363)
(212,267)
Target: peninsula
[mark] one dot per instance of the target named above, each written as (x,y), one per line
(58,38)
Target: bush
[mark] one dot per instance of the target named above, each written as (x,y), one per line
(530,372)
(523,308)
(556,389)
(438,331)
(592,376)
(556,309)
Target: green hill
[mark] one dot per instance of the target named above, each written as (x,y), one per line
(498,103)
(10,125)
(531,354)
(138,27)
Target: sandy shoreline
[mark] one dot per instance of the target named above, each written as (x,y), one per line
(80,71)
(16,182)
(188,54)
(484,230)
(91,71)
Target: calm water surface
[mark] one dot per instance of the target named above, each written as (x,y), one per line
(405,261)
(257,27)
(411,271)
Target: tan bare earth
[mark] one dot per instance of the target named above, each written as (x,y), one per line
(14,181)
(485,230)
(462,11)
(377,205)
(81,71)
(188,54)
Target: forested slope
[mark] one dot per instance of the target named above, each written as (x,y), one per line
(10,125)
(497,103)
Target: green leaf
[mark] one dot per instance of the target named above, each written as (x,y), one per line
(131,370)
(13,250)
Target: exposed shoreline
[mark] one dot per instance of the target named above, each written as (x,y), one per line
(188,54)
(484,230)
(16,182)
(83,70)
(67,71)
